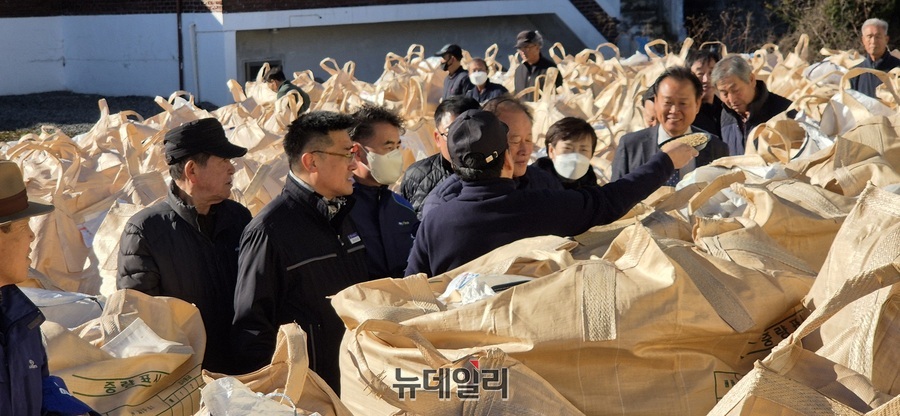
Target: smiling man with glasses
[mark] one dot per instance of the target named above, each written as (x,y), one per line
(301,249)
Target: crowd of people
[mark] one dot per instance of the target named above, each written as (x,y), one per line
(336,222)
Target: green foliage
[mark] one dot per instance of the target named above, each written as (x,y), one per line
(832,24)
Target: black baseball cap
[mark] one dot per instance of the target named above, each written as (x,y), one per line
(527,37)
(450,48)
(199,136)
(476,138)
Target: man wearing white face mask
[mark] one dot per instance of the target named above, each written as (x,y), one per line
(570,146)
(386,221)
(484,89)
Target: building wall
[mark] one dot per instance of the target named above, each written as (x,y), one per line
(141,59)
(367,44)
(33,54)
(73,49)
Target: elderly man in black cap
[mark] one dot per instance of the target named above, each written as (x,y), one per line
(186,246)
(534,63)
(457,81)
(489,212)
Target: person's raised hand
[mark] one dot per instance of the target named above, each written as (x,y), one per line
(680,153)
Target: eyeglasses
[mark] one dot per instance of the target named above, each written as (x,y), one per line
(444,135)
(348,156)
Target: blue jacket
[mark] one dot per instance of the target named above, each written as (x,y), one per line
(490,92)
(24,358)
(448,189)
(387,225)
(491,213)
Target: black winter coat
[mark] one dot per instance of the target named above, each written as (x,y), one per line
(162,252)
(292,259)
(421,177)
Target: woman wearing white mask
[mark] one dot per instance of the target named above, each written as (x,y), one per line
(385,221)
(570,146)
(483,90)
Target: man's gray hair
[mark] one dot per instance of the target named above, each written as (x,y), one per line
(881,24)
(732,65)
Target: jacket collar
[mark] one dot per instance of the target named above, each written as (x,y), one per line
(16,307)
(443,164)
(756,106)
(185,211)
(301,195)
(477,190)
(189,212)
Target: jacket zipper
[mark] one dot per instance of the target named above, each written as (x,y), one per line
(312,349)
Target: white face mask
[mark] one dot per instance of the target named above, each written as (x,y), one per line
(386,168)
(478,77)
(571,165)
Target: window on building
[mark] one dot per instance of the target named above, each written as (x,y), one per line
(251,68)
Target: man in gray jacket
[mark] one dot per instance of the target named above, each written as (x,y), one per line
(187,245)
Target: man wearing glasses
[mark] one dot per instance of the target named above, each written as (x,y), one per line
(424,175)
(301,249)
(529,43)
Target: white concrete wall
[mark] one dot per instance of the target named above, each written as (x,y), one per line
(138,54)
(121,55)
(212,51)
(32,51)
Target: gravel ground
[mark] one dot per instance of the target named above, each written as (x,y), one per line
(72,113)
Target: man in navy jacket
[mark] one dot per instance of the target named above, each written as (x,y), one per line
(386,222)
(874,40)
(490,212)
(518,119)
(747,101)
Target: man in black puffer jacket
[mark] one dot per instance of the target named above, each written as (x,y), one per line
(746,101)
(421,177)
(186,246)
